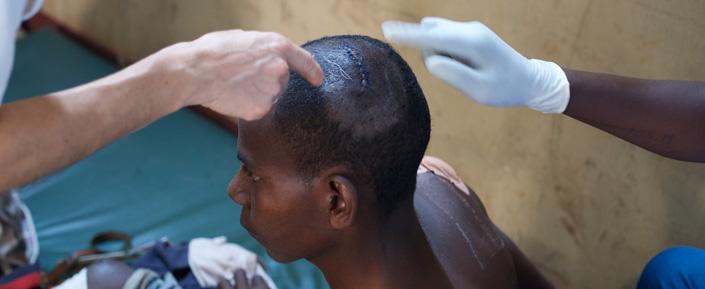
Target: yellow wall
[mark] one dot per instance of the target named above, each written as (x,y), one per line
(587,208)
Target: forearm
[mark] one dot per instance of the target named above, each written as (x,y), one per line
(235,73)
(665,117)
(43,134)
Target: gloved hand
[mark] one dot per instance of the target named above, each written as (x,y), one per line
(473,59)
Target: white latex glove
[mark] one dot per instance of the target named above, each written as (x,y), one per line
(214,259)
(473,59)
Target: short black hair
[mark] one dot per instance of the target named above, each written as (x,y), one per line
(370,115)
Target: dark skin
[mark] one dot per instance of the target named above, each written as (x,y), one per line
(322,221)
(437,239)
(241,282)
(440,238)
(421,239)
(663,116)
(487,258)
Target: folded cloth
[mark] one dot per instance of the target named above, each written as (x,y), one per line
(201,263)
(148,279)
(214,259)
(165,258)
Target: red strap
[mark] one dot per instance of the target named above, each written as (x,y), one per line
(28,281)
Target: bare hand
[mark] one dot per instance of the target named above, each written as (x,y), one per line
(237,73)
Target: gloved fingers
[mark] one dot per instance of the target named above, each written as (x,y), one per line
(459,40)
(453,72)
(430,21)
(426,53)
(414,34)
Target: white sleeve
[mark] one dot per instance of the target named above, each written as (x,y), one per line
(36,5)
(12,13)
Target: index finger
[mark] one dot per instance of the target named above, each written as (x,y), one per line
(430,38)
(302,61)
(412,34)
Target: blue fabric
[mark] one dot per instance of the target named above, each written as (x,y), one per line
(675,268)
(148,279)
(19,273)
(166,258)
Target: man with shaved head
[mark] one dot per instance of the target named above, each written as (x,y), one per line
(334,174)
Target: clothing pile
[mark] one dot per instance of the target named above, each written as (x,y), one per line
(200,263)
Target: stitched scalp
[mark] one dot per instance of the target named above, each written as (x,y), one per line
(369,115)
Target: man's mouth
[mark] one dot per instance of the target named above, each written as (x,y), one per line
(245,220)
(244,217)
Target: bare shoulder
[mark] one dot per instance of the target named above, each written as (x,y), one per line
(470,248)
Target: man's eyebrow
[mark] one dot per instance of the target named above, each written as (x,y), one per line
(244,159)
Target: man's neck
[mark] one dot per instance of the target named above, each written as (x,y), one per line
(391,252)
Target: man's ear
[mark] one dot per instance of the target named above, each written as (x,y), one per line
(342,201)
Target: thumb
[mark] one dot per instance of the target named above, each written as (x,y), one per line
(455,73)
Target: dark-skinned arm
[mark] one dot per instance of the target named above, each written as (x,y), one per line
(663,116)
(666,117)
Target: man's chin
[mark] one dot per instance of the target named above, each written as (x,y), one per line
(278,257)
(245,221)
(281,258)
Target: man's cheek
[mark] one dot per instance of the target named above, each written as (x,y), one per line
(268,215)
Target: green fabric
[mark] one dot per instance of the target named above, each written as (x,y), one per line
(166,180)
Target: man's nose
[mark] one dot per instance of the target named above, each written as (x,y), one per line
(238,192)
